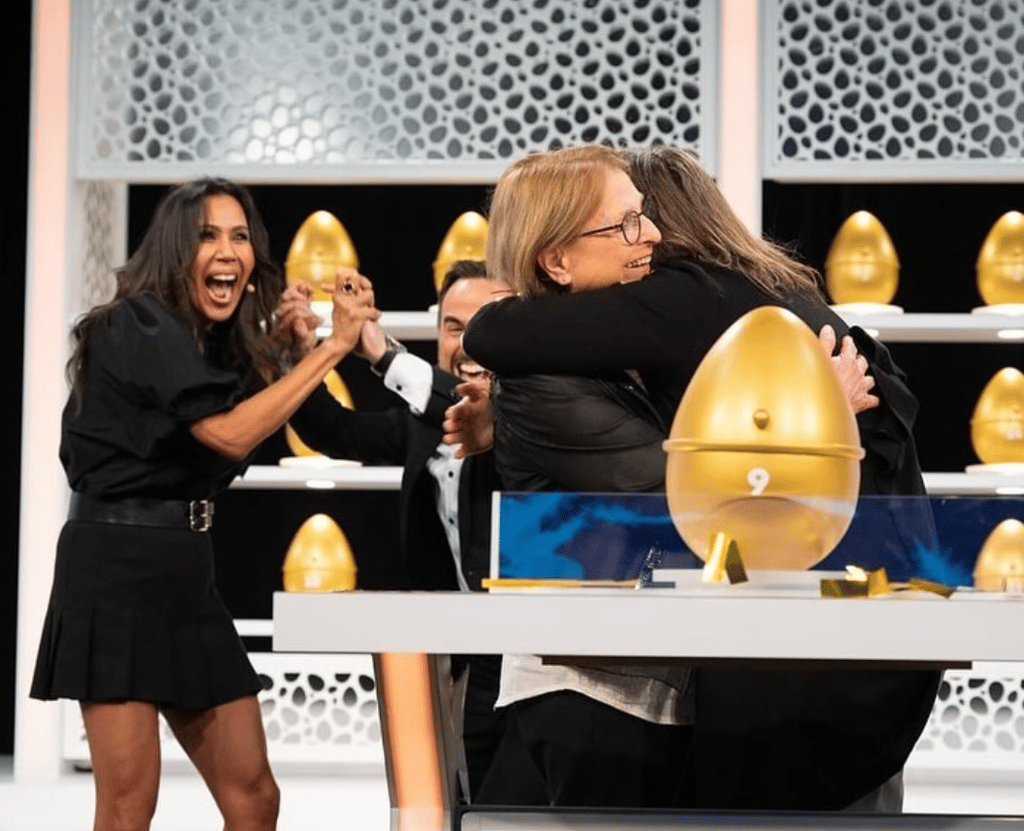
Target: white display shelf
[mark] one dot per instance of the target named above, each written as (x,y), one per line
(974,484)
(316,477)
(400,325)
(272,477)
(940,328)
(908,327)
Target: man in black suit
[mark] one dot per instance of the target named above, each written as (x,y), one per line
(445,503)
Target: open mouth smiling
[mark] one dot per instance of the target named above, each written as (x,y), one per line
(221,286)
(470,371)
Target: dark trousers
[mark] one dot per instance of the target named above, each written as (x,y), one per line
(811,740)
(563,748)
(482,725)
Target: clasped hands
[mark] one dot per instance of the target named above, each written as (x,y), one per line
(353,311)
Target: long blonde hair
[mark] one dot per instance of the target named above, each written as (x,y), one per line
(697,222)
(542,200)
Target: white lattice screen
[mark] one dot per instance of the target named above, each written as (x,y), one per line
(318,710)
(175,88)
(883,88)
(321,710)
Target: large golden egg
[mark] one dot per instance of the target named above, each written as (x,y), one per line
(1001,261)
(465,240)
(321,246)
(997,426)
(320,558)
(1000,565)
(337,388)
(862,266)
(764,447)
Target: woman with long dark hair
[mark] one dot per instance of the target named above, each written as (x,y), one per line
(174,384)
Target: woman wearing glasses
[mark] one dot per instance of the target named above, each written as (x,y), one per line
(570,222)
(824,741)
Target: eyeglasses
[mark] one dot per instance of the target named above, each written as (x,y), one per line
(630,225)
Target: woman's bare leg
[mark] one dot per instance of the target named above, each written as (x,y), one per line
(124,743)
(226,743)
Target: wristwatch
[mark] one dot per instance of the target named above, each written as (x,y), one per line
(380,367)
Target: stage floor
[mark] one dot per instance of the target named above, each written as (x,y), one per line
(360,802)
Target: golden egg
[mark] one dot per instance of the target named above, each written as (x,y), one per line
(1001,261)
(1000,566)
(997,426)
(320,558)
(321,246)
(862,266)
(465,240)
(764,447)
(337,388)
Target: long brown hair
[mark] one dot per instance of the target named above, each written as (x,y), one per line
(161,264)
(697,222)
(541,200)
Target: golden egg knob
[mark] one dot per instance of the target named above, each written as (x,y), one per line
(1000,265)
(862,266)
(338,389)
(764,447)
(1000,565)
(465,240)
(321,246)
(319,558)
(997,426)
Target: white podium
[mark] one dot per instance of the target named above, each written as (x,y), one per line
(409,633)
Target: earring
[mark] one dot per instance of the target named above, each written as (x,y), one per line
(250,288)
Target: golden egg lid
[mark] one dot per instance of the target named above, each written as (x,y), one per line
(736,401)
(320,247)
(1004,242)
(319,557)
(466,239)
(862,239)
(1002,399)
(1001,557)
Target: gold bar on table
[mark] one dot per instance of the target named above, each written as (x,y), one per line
(734,569)
(922,585)
(878,583)
(844,588)
(714,568)
(553,583)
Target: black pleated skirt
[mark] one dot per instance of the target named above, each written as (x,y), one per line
(134,615)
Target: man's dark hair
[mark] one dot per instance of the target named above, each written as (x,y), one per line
(461,270)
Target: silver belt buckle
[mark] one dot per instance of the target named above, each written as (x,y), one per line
(200,514)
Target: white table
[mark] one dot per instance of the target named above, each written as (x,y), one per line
(710,623)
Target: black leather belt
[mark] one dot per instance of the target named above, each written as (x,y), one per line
(196,515)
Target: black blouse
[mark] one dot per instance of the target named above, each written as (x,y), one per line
(145,380)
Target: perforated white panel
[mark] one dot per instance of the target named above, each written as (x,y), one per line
(914,88)
(100,256)
(253,85)
(318,710)
(977,720)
